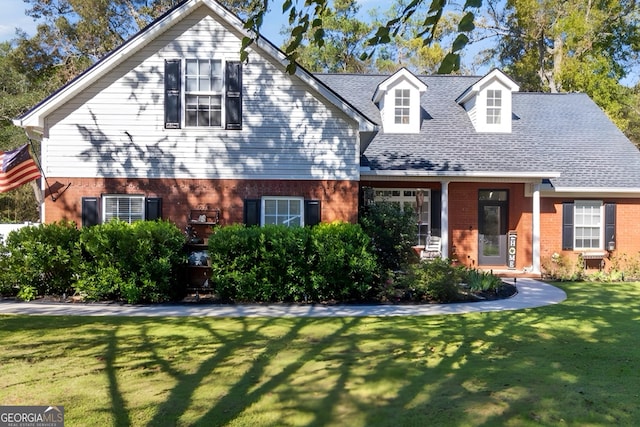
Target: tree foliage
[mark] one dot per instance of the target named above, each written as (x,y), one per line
(570,46)
(17,92)
(407,48)
(310,16)
(342,44)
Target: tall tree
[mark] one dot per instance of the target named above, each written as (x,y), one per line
(406,47)
(570,45)
(308,14)
(17,92)
(343,41)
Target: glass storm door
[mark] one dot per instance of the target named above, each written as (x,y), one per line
(492,227)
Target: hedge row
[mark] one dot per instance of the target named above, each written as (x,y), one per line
(275,263)
(137,262)
(143,262)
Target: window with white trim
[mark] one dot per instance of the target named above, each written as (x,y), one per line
(203,92)
(402,106)
(282,211)
(494,106)
(588,224)
(123,207)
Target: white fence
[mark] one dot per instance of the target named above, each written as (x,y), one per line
(5,229)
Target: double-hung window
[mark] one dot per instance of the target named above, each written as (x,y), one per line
(402,106)
(494,106)
(588,223)
(283,211)
(123,207)
(203,92)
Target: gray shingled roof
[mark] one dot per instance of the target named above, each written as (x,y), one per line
(565,133)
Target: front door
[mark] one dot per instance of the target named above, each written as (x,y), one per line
(492,227)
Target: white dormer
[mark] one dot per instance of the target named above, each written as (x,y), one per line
(488,102)
(398,99)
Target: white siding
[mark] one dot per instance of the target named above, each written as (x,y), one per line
(116,127)
(387,108)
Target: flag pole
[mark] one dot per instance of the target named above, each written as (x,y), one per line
(46,181)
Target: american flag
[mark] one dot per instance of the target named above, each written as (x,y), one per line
(18,168)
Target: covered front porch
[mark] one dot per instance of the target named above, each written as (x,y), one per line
(490,223)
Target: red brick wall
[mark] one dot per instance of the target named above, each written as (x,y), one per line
(627,227)
(463,221)
(339,198)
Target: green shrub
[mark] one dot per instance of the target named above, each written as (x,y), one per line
(560,267)
(27,293)
(40,259)
(393,233)
(136,262)
(436,280)
(278,263)
(345,267)
(481,281)
(251,264)
(8,285)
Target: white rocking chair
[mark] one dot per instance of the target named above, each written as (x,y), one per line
(432,250)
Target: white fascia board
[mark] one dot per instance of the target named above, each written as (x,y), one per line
(383,87)
(529,177)
(581,192)
(477,86)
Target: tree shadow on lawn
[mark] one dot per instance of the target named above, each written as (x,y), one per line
(569,363)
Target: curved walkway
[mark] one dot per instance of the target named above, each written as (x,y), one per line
(531,293)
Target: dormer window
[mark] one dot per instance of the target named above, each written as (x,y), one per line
(494,106)
(403,104)
(489,102)
(398,98)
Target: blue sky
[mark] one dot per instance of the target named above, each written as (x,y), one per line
(14,16)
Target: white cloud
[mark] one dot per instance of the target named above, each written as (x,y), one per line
(12,17)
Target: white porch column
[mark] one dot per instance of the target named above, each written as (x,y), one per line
(444,218)
(536,229)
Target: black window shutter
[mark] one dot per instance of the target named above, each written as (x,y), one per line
(90,211)
(172,79)
(233,95)
(311,212)
(567,226)
(252,212)
(153,208)
(609,225)
(436,212)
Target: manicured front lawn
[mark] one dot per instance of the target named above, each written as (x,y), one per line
(575,363)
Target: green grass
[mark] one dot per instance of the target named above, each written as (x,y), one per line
(574,364)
